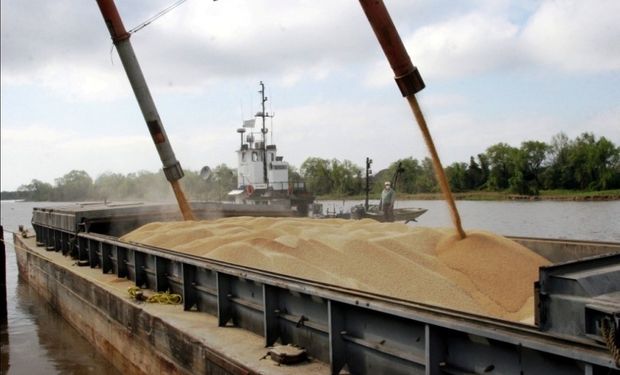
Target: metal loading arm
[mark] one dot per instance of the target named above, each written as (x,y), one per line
(120,37)
(409,82)
(407,76)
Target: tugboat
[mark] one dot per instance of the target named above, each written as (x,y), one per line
(263,175)
(263,178)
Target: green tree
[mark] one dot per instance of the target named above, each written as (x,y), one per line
(606,165)
(455,173)
(473,175)
(427,181)
(149,186)
(501,158)
(37,191)
(293,174)
(529,167)
(410,170)
(558,174)
(484,169)
(317,174)
(107,186)
(74,186)
(225,180)
(593,162)
(195,186)
(346,177)
(215,186)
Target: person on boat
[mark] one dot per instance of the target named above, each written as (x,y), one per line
(388,196)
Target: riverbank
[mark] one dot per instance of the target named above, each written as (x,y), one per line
(551,195)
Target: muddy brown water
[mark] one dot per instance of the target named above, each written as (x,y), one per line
(38,341)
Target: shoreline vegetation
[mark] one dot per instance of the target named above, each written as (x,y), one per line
(581,169)
(550,195)
(545,195)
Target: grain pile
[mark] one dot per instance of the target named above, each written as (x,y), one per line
(482,274)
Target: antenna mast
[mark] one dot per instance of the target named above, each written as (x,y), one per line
(263,115)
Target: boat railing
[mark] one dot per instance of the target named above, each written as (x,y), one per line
(290,186)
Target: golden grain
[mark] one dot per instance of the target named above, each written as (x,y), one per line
(482,274)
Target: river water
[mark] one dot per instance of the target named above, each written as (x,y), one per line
(38,341)
(594,221)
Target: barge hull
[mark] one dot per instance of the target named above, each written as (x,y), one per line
(139,338)
(340,328)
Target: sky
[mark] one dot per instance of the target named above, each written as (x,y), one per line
(495,71)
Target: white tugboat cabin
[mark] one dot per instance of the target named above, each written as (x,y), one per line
(262,175)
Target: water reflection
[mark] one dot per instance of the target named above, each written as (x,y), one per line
(4,345)
(39,341)
(64,350)
(594,221)
(36,339)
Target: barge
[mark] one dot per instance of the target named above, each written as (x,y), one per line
(232,315)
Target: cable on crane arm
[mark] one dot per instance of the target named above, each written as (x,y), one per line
(156,16)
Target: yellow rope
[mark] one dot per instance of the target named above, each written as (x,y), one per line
(133,291)
(609,334)
(165,298)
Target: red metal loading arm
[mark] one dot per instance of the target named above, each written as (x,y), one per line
(120,37)
(409,82)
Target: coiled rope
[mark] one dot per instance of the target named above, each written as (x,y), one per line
(609,334)
(164,298)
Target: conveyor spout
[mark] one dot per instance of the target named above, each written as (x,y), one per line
(120,37)
(409,82)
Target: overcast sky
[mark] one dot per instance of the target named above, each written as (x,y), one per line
(495,71)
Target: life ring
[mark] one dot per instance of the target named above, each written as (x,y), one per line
(249,190)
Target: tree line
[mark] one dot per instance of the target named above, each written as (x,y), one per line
(77,185)
(583,163)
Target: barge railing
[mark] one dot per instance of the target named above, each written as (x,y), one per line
(366,332)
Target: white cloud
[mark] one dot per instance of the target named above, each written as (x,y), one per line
(62,47)
(66,46)
(31,133)
(460,135)
(344,130)
(205,47)
(565,35)
(575,35)
(203,43)
(605,123)
(379,74)
(436,101)
(462,46)
(85,83)
(42,152)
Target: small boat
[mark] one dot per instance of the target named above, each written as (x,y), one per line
(367,211)
(400,214)
(359,212)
